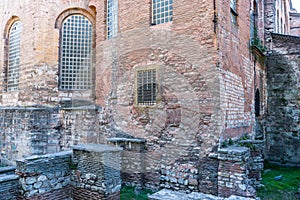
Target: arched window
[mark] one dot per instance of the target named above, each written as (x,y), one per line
(257,103)
(75,53)
(13,63)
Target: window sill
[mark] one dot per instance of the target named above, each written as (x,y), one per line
(164,26)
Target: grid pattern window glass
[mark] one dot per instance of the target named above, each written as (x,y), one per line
(112,18)
(162,11)
(14,56)
(146,87)
(76,53)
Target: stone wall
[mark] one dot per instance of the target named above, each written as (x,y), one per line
(93,173)
(44,174)
(233,172)
(97,173)
(28,131)
(36,131)
(9,186)
(133,166)
(282,128)
(295,24)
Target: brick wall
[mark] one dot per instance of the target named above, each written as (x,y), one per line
(200,65)
(237,69)
(233,172)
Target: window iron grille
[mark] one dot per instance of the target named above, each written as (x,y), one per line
(162,11)
(76,53)
(146,87)
(14,56)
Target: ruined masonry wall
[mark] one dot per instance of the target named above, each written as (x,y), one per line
(97,171)
(233,172)
(282,138)
(42,174)
(9,186)
(36,131)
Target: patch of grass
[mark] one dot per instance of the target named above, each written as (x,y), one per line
(130,193)
(284,189)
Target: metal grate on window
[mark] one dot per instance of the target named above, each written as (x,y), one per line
(146,87)
(76,53)
(162,11)
(14,56)
(112,18)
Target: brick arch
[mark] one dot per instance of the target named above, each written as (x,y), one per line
(8,25)
(89,14)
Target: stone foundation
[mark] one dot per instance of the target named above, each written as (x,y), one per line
(97,172)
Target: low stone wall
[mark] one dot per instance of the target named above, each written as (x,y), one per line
(233,173)
(44,174)
(180,177)
(97,173)
(133,169)
(9,186)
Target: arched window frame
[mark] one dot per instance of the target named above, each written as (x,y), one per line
(89,15)
(12,55)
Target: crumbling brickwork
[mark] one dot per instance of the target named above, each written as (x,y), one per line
(203,71)
(282,130)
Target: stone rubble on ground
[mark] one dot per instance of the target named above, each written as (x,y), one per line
(165,194)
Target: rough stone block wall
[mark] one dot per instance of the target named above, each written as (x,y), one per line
(9,186)
(36,131)
(282,127)
(64,193)
(44,174)
(97,171)
(179,177)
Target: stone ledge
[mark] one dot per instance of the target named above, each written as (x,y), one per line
(47,156)
(9,169)
(234,153)
(96,148)
(166,194)
(11,177)
(126,140)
